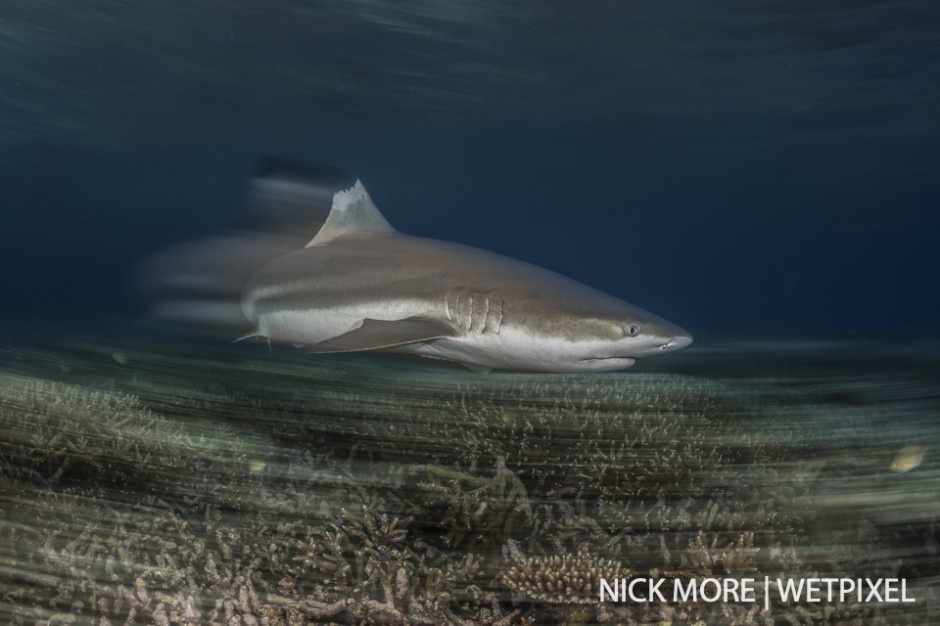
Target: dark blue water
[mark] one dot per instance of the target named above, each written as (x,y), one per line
(768,169)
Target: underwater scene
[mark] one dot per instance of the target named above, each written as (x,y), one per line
(148,481)
(637,322)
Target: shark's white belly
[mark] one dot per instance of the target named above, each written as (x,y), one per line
(513,349)
(490,346)
(312,326)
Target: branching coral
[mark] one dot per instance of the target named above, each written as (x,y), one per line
(708,559)
(478,509)
(276,492)
(568,579)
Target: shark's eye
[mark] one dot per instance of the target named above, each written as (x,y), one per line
(631,330)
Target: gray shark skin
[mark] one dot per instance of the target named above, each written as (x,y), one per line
(361,285)
(198,284)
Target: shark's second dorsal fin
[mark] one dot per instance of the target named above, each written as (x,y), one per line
(353,212)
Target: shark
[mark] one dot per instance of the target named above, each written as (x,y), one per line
(358,284)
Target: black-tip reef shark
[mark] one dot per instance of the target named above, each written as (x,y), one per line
(359,285)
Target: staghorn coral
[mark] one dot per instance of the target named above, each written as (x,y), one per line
(487,510)
(278,490)
(67,433)
(568,579)
(707,559)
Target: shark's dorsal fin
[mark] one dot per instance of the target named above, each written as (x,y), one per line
(353,212)
(291,198)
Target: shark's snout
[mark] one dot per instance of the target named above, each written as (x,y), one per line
(676,343)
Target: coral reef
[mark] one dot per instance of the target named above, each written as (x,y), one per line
(285,489)
(568,579)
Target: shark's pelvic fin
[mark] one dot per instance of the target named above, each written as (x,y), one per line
(378,334)
(353,212)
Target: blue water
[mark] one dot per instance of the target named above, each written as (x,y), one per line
(765,170)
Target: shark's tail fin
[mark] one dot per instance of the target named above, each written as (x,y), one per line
(199,283)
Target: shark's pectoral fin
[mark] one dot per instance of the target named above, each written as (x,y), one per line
(378,334)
